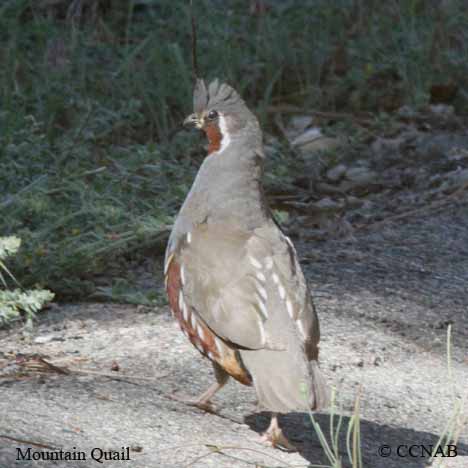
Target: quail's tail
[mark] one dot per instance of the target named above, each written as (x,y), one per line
(320,391)
(283,384)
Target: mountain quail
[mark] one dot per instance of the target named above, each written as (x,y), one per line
(233,279)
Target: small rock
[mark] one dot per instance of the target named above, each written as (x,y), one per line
(377,361)
(327,189)
(361,163)
(442,109)
(319,145)
(327,204)
(336,173)
(308,136)
(453,180)
(354,202)
(298,124)
(457,154)
(458,178)
(313,140)
(43,339)
(360,180)
(361,175)
(407,112)
(359,362)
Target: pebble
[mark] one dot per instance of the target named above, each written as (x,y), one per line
(361,175)
(327,204)
(43,339)
(336,173)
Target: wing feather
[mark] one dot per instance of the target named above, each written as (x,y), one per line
(248,287)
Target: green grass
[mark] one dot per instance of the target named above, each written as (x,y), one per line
(91,169)
(451,429)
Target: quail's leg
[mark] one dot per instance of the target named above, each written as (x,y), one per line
(274,435)
(203,401)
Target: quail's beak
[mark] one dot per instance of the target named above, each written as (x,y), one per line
(193,120)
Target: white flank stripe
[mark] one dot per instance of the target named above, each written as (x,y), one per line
(200,332)
(219,346)
(166,265)
(189,237)
(268,263)
(289,307)
(301,328)
(282,292)
(193,321)
(185,312)
(262,292)
(262,331)
(181,300)
(288,240)
(182,275)
(210,355)
(255,262)
(275,278)
(260,277)
(263,309)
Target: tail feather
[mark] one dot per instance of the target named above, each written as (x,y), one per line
(320,390)
(283,384)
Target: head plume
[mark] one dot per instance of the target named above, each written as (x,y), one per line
(216,95)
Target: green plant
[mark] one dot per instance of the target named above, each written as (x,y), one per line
(353,435)
(458,420)
(17,301)
(450,434)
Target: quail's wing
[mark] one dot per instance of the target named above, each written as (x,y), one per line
(218,283)
(246,287)
(288,286)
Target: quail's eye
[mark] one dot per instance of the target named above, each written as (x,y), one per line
(212,115)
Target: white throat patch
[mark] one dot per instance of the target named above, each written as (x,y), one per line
(226,139)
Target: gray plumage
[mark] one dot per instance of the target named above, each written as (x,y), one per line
(241,276)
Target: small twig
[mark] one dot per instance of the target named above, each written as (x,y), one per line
(27,442)
(194,44)
(74,12)
(35,363)
(114,376)
(52,368)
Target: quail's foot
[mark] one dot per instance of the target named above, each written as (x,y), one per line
(274,436)
(203,402)
(205,405)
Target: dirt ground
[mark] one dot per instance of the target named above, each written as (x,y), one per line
(384,298)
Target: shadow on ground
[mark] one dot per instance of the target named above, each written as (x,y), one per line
(375,438)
